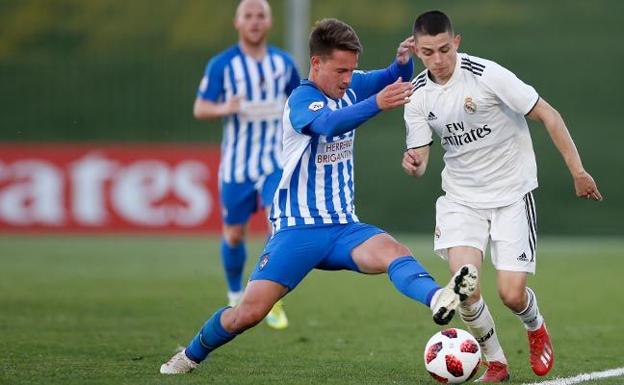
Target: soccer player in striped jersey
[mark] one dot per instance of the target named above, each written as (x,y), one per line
(478,110)
(315,226)
(247,85)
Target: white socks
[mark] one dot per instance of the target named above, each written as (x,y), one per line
(530,316)
(479,321)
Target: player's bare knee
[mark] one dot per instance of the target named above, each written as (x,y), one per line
(234,235)
(393,252)
(513,299)
(397,250)
(248,317)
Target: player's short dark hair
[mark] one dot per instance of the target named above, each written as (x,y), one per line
(432,23)
(330,34)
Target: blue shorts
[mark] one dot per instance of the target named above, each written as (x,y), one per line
(240,200)
(293,252)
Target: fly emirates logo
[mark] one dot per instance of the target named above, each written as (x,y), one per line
(454,134)
(334,152)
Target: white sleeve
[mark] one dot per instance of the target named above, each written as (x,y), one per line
(417,130)
(506,86)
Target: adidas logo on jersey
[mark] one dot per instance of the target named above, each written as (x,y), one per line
(431,116)
(523,258)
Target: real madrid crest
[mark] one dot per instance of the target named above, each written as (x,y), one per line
(469,106)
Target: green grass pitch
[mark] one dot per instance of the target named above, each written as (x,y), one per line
(110,310)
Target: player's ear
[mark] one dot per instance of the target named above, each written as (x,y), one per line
(414,47)
(416,51)
(315,61)
(269,20)
(235,21)
(457,41)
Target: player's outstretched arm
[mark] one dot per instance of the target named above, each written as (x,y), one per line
(205,109)
(340,121)
(394,95)
(415,161)
(584,184)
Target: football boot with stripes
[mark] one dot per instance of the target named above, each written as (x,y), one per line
(541,354)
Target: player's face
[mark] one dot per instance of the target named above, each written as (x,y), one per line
(253,21)
(332,74)
(438,54)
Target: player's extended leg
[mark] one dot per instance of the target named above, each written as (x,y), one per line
(382,253)
(522,301)
(233,256)
(477,318)
(225,324)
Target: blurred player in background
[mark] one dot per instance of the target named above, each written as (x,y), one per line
(247,85)
(313,215)
(478,109)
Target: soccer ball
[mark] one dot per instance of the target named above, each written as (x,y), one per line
(452,356)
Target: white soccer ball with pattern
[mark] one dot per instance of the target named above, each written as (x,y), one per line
(452,356)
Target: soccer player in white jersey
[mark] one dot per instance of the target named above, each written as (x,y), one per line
(478,110)
(247,85)
(313,214)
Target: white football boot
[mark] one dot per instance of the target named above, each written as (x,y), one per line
(178,364)
(445,301)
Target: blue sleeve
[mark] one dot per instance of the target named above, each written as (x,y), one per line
(332,123)
(211,86)
(367,83)
(309,113)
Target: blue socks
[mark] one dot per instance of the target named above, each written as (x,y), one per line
(211,336)
(411,279)
(233,258)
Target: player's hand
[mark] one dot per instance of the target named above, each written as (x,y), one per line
(394,95)
(411,162)
(586,187)
(405,50)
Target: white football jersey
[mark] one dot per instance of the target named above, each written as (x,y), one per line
(479,115)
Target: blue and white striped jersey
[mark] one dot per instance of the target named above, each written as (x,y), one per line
(317,185)
(251,145)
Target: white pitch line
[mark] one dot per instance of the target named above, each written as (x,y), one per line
(582,377)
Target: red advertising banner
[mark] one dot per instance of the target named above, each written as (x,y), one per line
(79,187)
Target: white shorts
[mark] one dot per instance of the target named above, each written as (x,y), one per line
(511,231)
